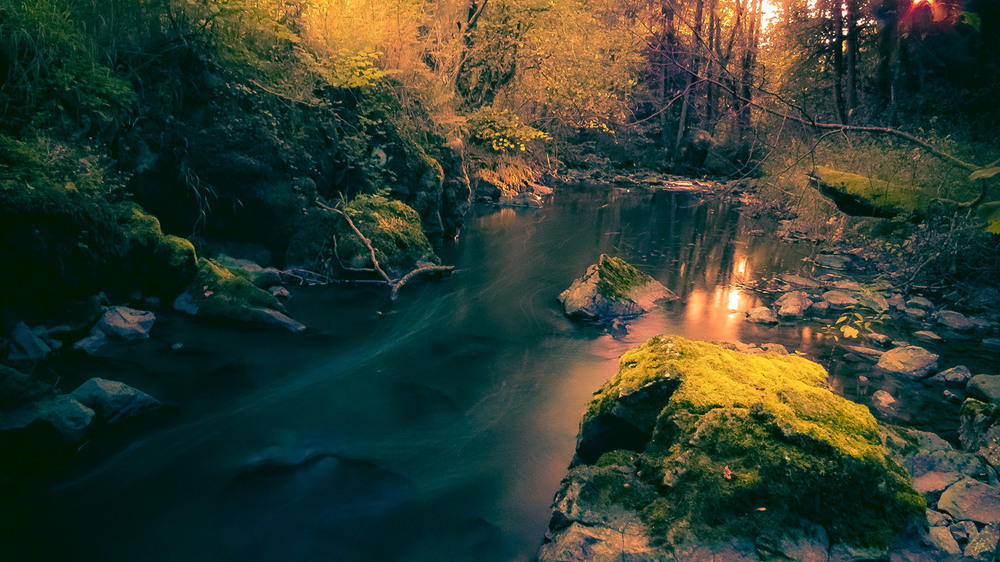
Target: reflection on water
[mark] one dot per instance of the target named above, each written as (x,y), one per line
(436,428)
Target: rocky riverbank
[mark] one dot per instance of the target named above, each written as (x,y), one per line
(696,450)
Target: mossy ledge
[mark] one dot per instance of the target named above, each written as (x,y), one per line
(859,195)
(737,447)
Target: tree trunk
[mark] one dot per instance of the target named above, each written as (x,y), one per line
(837,45)
(852,55)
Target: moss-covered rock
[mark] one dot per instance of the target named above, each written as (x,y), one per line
(612,288)
(161,264)
(218,293)
(865,196)
(742,445)
(393,228)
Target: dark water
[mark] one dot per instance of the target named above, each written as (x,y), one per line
(436,428)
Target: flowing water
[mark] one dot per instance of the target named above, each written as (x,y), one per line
(434,428)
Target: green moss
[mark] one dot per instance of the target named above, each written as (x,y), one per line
(619,279)
(160,264)
(217,292)
(393,228)
(620,457)
(887,194)
(752,444)
(17,388)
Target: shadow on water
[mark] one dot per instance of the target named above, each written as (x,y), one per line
(434,429)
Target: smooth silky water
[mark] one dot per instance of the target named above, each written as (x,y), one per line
(436,427)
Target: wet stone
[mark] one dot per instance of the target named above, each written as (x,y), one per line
(762,315)
(839,300)
(915,313)
(920,302)
(955,376)
(910,361)
(927,336)
(954,321)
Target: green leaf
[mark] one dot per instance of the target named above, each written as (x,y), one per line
(984,173)
(971,19)
(990,214)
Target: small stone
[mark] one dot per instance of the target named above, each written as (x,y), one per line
(896,301)
(883,402)
(911,361)
(793,304)
(935,482)
(839,300)
(775,348)
(956,376)
(26,345)
(833,261)
(980,324)
(952,397)
(866,352)
(972,500)
(819,308)
(126,323)
(962,530)
(915,313)
(954,321)
(937,519)
(983,545)
(927,336)
(177,346)
(940,538)
(762,315)
(114,401)
(281,293)
(986,387)
(920,302)
(879,339)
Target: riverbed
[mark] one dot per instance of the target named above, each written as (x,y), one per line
(435,427)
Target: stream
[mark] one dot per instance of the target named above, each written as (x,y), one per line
(434,428)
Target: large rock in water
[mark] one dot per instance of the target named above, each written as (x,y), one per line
(910,361)
(729,454)
(611,289)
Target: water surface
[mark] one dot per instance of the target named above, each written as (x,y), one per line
(437,427)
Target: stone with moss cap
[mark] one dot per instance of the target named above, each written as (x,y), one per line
(218,293)
(612,288)
(750,446)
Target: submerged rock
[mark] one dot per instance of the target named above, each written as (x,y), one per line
(762,315)
(612,289)
(910,361)
(793,304)
(715,439)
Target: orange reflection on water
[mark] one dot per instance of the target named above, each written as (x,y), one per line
(734,299)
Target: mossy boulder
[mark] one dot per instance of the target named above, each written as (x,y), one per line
(859,195)
(393,228)
(612,288)
(161,264)
(745,446)
(218,293)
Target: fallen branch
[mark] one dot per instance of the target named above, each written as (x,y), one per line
(417,272)
(394,284)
